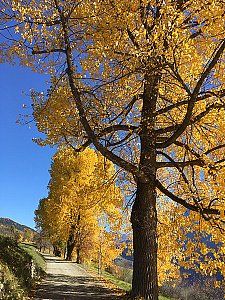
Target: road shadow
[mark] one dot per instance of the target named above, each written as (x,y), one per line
(50,258)
(55,259)
(63,287)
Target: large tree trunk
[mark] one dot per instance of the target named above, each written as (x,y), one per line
(144,223)
(144,215)
(70,245)
(73,236)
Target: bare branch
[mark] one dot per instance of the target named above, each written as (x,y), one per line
(190,150)
(48,51)
(186,181)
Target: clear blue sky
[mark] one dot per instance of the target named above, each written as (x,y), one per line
(23,164)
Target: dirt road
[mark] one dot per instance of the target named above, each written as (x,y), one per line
(68,281)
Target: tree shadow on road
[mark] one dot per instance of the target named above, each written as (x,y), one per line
(65,287)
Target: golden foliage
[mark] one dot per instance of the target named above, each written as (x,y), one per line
(102,57)
(83,198)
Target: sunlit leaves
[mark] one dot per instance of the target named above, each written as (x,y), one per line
(102,56)
(83,198)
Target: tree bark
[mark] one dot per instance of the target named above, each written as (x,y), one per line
(73,236)
(78,255)
(56,251)
(70,245)
(144,214)
(144,224)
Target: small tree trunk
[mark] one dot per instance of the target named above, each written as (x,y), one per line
(100,259)
(64,252)
(56,251)
(78,255)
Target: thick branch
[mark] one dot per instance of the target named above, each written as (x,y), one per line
(113,144)
(195,162)
(206,95)
(110,129)
(193,98)
(215,148)
(132,37)
(76,96)
(191,121)
(206,111)
(187,148)
(207,211)
(127,109)
(178,164)
(180,170)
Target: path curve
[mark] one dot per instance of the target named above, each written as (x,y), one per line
(69,281)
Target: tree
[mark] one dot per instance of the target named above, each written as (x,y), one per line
(83,199)
(41,239)
(143,82)
(190,248)
(28,235)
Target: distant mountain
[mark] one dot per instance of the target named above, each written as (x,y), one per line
(123,262)
(125,259)
(127,253)
(7,226)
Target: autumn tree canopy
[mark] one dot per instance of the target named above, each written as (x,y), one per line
(84,207)
(143,81)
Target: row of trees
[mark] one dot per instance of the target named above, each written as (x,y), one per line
(84,217)
(27,235)
(83,212)
(143,81)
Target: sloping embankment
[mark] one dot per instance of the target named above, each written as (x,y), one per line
(18,270)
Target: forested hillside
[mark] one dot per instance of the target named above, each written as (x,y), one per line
(17,231)
(8,223)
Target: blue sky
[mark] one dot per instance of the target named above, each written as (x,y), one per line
(24,165)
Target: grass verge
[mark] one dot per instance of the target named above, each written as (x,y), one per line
(15,272)
(119,283)
(115,281)
(38,259)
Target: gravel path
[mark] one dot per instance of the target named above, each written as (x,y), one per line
(68,281)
